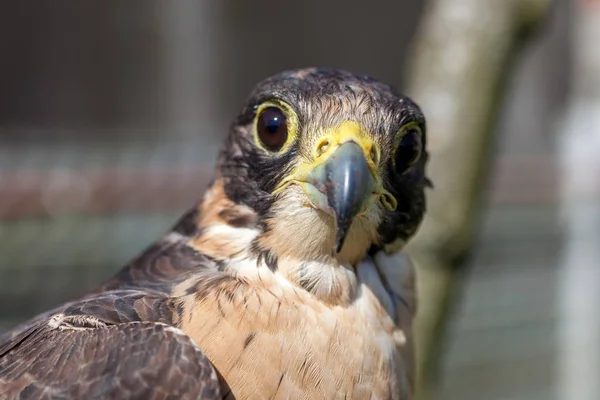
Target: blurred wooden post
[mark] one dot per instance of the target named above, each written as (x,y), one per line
(462,55)
(578,146)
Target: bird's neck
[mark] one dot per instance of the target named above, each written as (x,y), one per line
(293,247)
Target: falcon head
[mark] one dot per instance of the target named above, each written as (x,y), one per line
(323,163)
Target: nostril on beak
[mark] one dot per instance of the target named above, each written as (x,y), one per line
(373,155)
(323,147)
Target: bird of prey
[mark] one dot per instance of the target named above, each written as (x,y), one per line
(287,280)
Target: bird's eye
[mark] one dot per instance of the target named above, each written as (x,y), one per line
(272,128)
(409,150)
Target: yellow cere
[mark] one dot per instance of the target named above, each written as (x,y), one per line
(347,131)
(328,142)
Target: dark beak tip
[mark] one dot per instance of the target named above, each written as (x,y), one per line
(339,245)
(347,183)
(343,223)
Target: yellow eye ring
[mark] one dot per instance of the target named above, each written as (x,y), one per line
(275,126)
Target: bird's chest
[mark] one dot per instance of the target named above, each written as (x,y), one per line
(282,345)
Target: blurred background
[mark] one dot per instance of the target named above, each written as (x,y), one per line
(112,113)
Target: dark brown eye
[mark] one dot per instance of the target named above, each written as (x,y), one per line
(272,128)
(409,150)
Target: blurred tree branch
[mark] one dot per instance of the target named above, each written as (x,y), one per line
(462,55)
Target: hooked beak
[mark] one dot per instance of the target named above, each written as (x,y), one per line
(343,180)
(347,183)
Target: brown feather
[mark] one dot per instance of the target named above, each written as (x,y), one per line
(266,336)
(84,357)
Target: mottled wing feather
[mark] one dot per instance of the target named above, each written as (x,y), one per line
(82,357)
(166,263)
(135,303)
(122,306)
(118,344)
(114,307)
